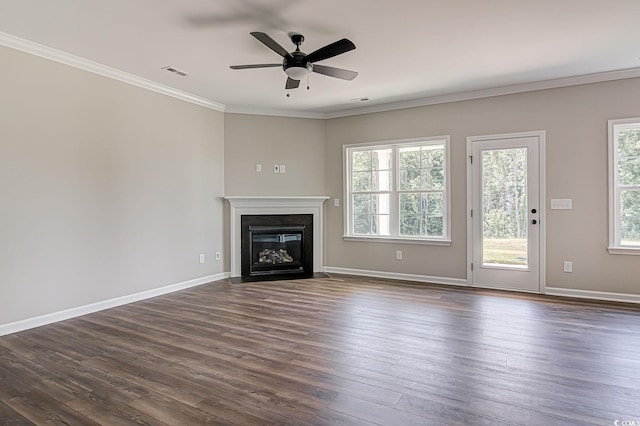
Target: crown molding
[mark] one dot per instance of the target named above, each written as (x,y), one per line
(27,46)
(487,93)
(94,67)
(276,112)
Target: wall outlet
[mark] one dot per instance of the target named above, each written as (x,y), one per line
(568,266)
(283,169)
(217,255)
(202,258)
(336,202)
(259,168)
(276,169)
(398,255)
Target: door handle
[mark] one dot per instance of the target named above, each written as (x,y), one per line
(534,221)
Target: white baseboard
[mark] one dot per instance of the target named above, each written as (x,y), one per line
(396,276)
(551,291)
(28,323)
(594,295)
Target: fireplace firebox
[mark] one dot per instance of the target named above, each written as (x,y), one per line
(276,246)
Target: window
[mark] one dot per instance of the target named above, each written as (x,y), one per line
(398,191)
(624,186)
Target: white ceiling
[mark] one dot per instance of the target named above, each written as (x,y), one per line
(406,49)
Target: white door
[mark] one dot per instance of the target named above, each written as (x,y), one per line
(505,211)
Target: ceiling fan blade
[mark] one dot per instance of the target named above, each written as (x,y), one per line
(331,50)
(335,72)
(271,44)
(291,83)
(244,67)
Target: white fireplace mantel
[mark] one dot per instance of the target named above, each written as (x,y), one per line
(255,205)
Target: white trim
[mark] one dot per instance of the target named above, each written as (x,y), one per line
(84,64)
(469,207)
(614,188)
(593,295)
(549,291)
(635,251)
(15,327)
(274,112)
(394,145)
(255,205)
(491,92)
(542,192)
(395,240)
(612,185)
(397,276)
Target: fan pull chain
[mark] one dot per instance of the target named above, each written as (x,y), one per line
(308,78)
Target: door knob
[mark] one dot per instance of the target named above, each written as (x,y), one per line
(534,211)
(534,221)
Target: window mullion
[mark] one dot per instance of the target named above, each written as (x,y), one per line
(394,214)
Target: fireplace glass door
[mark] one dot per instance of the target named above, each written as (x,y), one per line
(276,249)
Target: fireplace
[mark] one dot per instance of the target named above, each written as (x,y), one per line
(276,246)
(276,206)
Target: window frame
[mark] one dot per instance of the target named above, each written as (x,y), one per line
(395,192)
(615,246)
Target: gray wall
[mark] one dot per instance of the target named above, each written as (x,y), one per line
(298,143)
(575,121)
(106,189)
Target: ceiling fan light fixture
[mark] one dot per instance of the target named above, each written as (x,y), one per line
(297,73)
(298,65)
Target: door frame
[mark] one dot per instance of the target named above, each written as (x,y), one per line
(541,135)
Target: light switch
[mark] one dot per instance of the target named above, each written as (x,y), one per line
(282,168)
(567,266)
(258,167)
(276,169)
(336,202)
(561,204)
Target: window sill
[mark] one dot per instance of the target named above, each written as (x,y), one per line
(397,240)
(624,250)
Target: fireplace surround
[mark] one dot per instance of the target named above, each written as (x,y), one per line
(275,205)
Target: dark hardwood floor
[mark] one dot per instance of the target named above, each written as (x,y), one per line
(340,350)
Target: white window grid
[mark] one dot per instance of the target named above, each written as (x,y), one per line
(394,193)
(616,189)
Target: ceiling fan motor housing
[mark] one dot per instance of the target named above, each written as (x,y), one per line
(296,66)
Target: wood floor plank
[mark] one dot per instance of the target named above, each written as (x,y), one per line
(105,410)
(445,413)
(376,413)
(40,408)
(10,417)
(338,350)
(504,412)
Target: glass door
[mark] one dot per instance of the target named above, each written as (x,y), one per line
(505,222)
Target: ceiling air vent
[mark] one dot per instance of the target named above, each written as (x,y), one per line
(175,71)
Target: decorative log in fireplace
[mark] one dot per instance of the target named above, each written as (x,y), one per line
(276,246)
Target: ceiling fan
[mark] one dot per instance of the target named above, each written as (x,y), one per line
(298,65)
